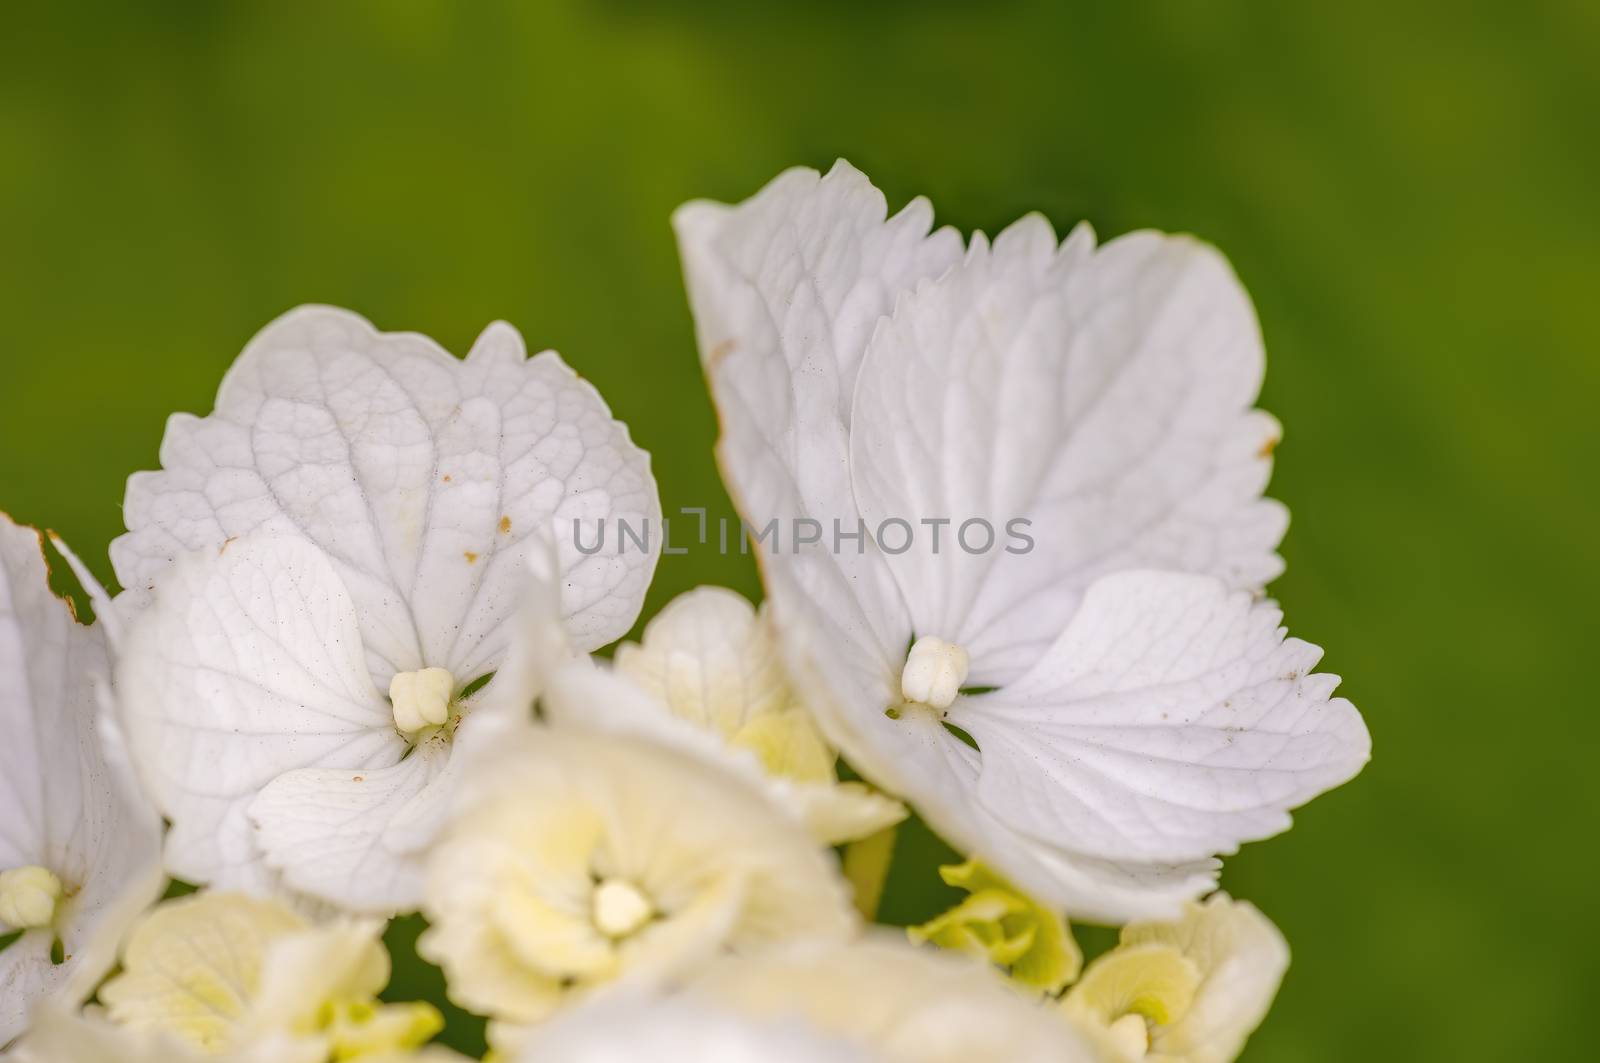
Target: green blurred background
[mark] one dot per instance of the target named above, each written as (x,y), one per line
(1407,189)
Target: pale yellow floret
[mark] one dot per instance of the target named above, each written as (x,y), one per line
(1186,991)
(577,859)
(29,897)
(1151,982)
(192,966)
(712,660)
(934,672)
(421,699)
(223,972)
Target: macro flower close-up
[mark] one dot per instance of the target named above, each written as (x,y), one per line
(1056,533)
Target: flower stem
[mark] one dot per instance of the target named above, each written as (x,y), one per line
(866,865)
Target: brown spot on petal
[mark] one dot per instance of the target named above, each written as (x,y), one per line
(446,477)
(358,778)
(720,351)
(505,525)
(472,558)
(1268,447)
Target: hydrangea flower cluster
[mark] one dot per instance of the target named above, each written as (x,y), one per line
(351,675)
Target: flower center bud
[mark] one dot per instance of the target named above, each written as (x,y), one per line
(28,897)
(421,699)
(620,908)
(934,672)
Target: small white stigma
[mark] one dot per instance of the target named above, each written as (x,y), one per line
(28,897)
(934,672)
(421,699)
(620,908)
(1131,1035)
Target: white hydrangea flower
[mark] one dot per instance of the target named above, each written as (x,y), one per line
(80,851)
(903,1003)
(1095,729)
(1190,991)
(709,659)
(356,520)
(578,859)
(225,973)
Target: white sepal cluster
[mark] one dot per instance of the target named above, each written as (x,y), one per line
(1048,638)
(327,564)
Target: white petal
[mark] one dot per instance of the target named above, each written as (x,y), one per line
(27,977)
(247,665)
(786,289)
(804,268)
(62,805)
(1170,721)
(422,477)
(618,1028)
(537,645)
(1103,396)
(356,838)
